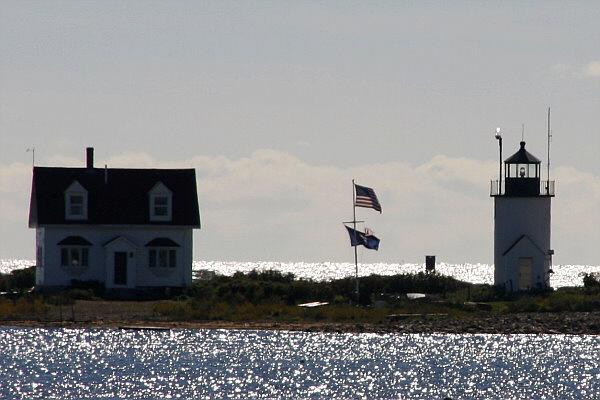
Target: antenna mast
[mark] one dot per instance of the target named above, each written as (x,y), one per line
(549,139)
(32,150)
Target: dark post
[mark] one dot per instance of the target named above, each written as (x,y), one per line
(429,264)
(355,250)
(499,138)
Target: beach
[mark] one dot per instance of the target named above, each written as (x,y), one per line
(115,314)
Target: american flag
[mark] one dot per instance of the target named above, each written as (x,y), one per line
(366,197)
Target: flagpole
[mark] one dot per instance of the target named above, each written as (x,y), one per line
(356,246)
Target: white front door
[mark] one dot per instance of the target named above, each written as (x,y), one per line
(120,263)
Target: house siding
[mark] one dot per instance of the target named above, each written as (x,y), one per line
(100,262)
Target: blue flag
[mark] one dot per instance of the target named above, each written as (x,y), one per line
(358,238)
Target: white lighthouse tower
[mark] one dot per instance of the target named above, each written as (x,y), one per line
(522,252)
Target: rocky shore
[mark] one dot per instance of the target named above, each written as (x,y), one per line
(574,323)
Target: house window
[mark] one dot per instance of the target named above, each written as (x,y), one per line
(75,205)
(162,258)
(74,256)
(160,203)
(162,253)
(76,202)
(40,256)
(161,206)
(74,251)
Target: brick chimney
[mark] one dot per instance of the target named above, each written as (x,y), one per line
(90,157)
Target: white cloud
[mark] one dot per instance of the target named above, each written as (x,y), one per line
(592,69)
(578,196)
(273,206)
(60,160)
(15,185)
(589,70)
(15,177)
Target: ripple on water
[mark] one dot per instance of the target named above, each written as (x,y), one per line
(110,363)
(564,275)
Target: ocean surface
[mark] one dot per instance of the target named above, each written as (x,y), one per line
(564,275)
(39,363)
(227,364)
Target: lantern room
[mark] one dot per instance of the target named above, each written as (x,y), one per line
(522,174)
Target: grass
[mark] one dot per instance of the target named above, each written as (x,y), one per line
(280,312)
(561,300)
(23,306)
(274,297)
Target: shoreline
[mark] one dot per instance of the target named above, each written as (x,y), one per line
(571,323)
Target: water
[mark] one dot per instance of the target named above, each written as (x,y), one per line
(564,275)
(219,364)
(228,364)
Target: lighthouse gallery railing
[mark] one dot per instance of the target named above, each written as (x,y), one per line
(497,188)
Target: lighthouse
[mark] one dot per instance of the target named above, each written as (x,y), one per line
(522,252)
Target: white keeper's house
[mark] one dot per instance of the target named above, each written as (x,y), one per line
(130,229)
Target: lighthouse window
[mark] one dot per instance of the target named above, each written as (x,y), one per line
(512,170)
(533,170)
(523,171)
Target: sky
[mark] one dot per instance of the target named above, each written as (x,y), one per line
(279,105)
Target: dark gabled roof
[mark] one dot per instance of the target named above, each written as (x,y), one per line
(119,238)
(522,157)
(161,242)
(115,196)
(74,241)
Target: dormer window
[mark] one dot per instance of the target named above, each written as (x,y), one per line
(161,203)
(76,202)
(76,205)
(161,206)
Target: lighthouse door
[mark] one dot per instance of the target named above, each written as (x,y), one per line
(525,273)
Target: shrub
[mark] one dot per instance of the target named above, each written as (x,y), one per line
(591,282)
(95,288)
(261,287)
(374,285)
(18,280)
(565,302)
(81,294)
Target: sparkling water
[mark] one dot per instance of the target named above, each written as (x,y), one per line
(227,364)
(564,275)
